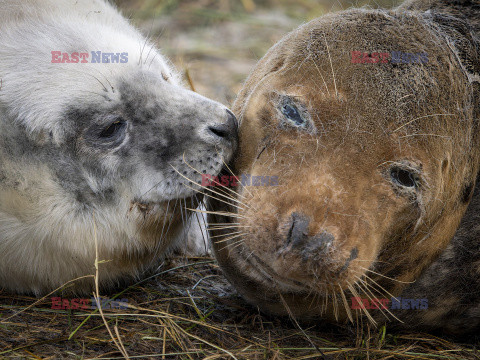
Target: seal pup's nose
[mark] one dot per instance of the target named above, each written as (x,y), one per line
(298,238)
(227,130)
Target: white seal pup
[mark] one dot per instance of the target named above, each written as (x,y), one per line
(96,134)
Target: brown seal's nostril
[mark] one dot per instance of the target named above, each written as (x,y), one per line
(321,242)
(298,233)
(298,238)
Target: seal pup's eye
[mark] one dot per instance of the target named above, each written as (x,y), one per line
(114,129)
(404,177)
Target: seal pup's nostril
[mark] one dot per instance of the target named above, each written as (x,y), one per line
(227,130)
(219,130)
(232,119)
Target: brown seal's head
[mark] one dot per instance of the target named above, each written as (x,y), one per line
(375,161)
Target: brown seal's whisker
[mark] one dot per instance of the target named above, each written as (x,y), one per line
(224,223)
(345,302)
(222,213)
(418,118)
(367,287)
(365,311)
(229,238)
(386,277)
(228,227)
(223,235)
(233,245)
(379,286)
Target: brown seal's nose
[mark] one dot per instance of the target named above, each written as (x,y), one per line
(227,130)
(298,238)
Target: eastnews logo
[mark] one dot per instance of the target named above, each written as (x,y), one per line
(395,304)
(85,304)
(395,57)
(84,57)
(244,180)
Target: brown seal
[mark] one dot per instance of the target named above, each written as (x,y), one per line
(376,164)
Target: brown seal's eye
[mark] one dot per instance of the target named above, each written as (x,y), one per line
(404,177)
(291,113)
(294,114)
(113,129)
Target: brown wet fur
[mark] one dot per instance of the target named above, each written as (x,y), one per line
(335,175)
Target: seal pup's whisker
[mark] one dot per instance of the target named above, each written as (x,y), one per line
(213,197)
(181,211)
(154,41)
(227,196)
(153,187)
(202,225)
(147,40)
(233,174)
(99,72)
(164,235)
(89,92)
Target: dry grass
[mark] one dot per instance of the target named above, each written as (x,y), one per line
(188,311)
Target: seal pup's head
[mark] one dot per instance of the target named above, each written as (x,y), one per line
(94,151)
(375,161)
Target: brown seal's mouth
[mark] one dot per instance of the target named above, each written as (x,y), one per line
(280,281)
